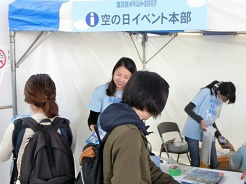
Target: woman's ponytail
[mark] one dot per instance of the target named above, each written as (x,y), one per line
(212,86)
(40,90)
(50,109)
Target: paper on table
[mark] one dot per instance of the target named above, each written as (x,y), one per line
(204,176)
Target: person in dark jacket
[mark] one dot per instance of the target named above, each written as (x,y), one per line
(125,156)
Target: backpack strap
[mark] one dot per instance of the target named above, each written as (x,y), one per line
(19,131)
(17,136)
(31,123)
(103,140)
(98,134)
(63,125)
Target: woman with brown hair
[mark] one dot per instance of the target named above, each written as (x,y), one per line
(40,94)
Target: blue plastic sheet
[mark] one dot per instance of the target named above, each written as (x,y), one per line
(34,15)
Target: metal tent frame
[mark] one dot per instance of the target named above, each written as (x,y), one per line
(41,38)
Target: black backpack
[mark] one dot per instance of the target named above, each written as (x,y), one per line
(92,167)
(47,157)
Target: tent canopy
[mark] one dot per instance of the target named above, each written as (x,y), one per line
(34,15)
(90,16)
(155,16)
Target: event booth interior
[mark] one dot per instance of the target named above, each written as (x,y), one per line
(80,61)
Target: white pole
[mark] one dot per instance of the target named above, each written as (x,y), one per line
(13,71)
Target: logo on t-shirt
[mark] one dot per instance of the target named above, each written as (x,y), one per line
(212,112)
(114,99)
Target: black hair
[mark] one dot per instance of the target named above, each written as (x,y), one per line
(211,86)
(226,89)
(129,65)
(146,91)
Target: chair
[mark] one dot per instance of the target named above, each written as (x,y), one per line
(166,127)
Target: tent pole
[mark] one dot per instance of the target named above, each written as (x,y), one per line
(144,40)
(135,47)
(175,34)
(13,71)
(33,46)
(6,107)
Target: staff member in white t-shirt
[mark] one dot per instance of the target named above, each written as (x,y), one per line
(111,92)
(202,111)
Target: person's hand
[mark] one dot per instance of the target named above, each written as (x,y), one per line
(203,125)
(243,175)
(92,127)
(228,145)
(222,137)
(225,145)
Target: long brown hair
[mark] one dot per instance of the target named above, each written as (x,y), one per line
(40,90)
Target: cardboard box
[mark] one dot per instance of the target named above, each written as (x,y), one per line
(223,163)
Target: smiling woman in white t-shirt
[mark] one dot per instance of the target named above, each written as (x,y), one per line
(111,92)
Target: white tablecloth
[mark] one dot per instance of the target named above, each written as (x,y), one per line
(229,176)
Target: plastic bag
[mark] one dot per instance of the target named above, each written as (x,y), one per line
(208,138)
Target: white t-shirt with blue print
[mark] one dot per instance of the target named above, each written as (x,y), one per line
(208,107)
(100,100)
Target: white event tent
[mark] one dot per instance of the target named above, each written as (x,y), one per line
(46,37)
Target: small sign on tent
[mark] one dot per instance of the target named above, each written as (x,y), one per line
(2,59)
